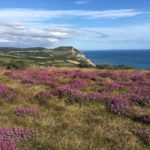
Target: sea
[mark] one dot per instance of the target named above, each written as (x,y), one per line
(139,59)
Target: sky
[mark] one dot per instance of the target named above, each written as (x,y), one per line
(84,24)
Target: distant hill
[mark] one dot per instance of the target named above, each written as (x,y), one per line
(60,56)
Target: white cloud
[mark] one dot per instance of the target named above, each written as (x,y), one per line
(124,33)
(125,37)
(27,35)
(29,27)
(4,40)
(17,34)
(32,15)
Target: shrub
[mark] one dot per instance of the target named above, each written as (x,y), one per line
(144,135)
(43,97)
(17,64)
(138,99)
(26,111)
(7,94)
(83,75)
(84,65)
(2,63)
(118,106)
(103,66)
(77,84)
(122,67)
(10,138)
(145,118)
(106,66)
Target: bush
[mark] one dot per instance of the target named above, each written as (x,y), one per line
(105,66)
(2,63)
(17,64)
(85,65)
(122,67)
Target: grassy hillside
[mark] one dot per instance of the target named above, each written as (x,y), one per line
(61,56)
(72,109)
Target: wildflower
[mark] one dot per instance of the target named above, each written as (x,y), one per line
(26,111)
(118,106)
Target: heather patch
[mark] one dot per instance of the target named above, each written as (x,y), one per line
(27,111)
(7,94)
(10,138)
(99,93)
(118,106)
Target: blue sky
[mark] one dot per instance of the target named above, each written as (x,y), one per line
(84,24)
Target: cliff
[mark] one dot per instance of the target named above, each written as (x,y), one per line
(60,56)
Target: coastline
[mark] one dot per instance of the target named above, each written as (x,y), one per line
(135,58)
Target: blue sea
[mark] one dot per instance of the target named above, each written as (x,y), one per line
(135,58)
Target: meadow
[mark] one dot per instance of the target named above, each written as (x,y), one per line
(74,109)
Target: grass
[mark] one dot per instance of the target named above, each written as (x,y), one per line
(42,56)
(65,126)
